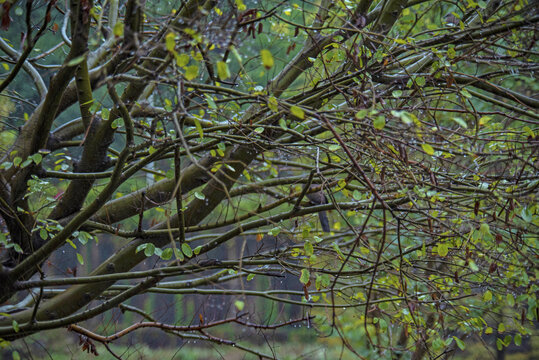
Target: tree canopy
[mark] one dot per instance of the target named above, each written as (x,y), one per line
(183,144)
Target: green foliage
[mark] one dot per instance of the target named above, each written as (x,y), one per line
(413,136)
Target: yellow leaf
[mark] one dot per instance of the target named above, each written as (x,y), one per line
(428,149)
(170,41)
(191,72)
(197,56)
(222,70)
(484,120)
(181,59)
(118,30)
(241,6)
(273,104)
(267,58)
(297,112)
(379,122)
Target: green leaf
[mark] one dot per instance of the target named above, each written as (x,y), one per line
(117,123)
(397,93)
(236,54)
(76,61)
(239,305)
(178,254)
(267,58)
(199,128)
(309,249)
(427,149)
(259,130)
(37,157)
(26,162)
(487,296)
(510,300)
(149,250)
(105,113)
(437,344)
(443,249)
(379,122)
(250,277)
(282,123)
(420,81)
(361,114)
(501,328)
(199,195)
(484,230)
(17,248)
(80,259)
(43,234)
(297,112)
(222,70)
(168,105)
(197,249)
(15,326)
(167,254)
(186,249)
(466,93)
(141,247)
(71,243)
(305,275)
(460,343)
(518,339)
(529,131)
(334,147)
(15,355)
(460,122)
(210,101)
(83,237)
